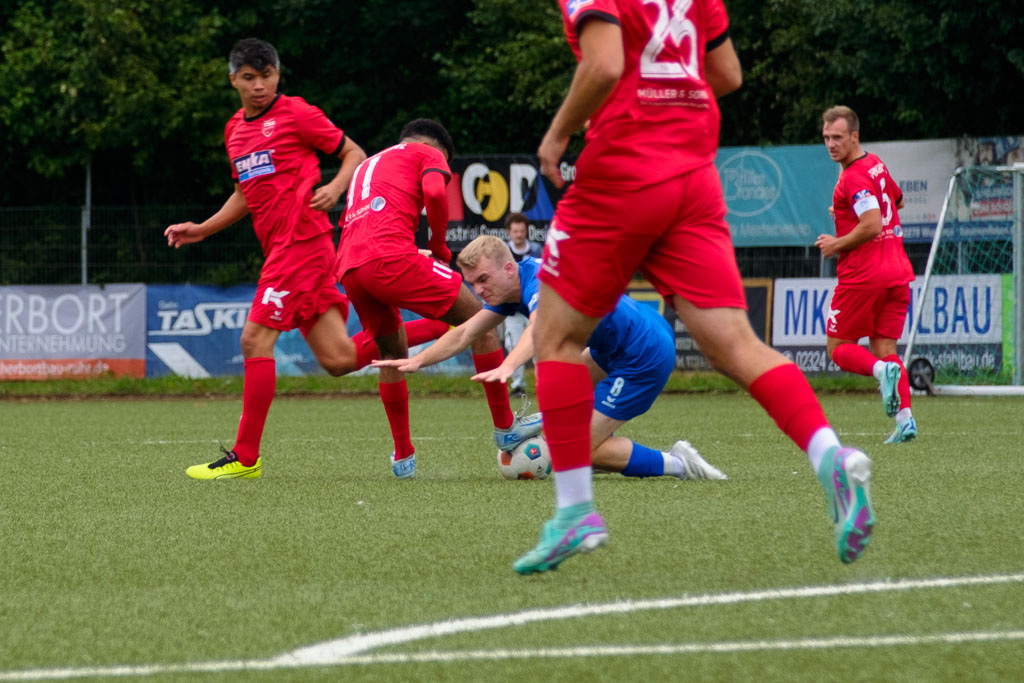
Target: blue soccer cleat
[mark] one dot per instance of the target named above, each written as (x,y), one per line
(404,468)
(576,529)
(845,474)
(905,431)
(889,385)
(522,428)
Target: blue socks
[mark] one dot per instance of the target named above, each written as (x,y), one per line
(644,462)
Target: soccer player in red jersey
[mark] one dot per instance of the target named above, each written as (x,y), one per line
(647,196)
(272,142)
(873,293)
(382,270)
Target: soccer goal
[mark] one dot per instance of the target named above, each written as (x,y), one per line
(965,330)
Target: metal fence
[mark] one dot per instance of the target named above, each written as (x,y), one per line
(43,245)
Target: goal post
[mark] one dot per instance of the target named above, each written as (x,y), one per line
(965,333)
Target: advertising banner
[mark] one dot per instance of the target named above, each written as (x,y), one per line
(195,331)
(961,311)
(69,331)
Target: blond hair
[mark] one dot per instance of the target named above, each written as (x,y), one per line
(833,114)
(484,246)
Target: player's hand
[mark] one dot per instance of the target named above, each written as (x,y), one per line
(183,233)
(324,198)
(550,152)
(400,364)
(827,244)
(498,374)
(832,211)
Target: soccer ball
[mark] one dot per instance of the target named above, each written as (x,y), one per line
(528,460)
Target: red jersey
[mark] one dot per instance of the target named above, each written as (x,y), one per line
(882,261)
(661,120)
(385,200)
(273,159)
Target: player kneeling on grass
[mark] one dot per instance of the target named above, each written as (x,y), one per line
(630,356)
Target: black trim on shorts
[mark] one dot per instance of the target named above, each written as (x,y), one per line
(447,174)
(594,14)
(716,42)
(269,107)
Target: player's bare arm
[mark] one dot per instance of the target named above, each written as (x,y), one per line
(234,209)
(722,69)
(599,69)
(867,228)
(451,343)
(326,196)
(518,356)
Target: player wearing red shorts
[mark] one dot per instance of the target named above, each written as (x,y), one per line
(272,142)
(874,272)
(382,271)
(647,197)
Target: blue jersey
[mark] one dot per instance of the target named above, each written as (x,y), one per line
(626,336)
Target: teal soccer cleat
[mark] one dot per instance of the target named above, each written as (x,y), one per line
(845,474)
(404,468)
(905,431)
(890,388)
(582,531)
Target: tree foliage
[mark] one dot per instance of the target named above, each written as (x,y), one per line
(140,88)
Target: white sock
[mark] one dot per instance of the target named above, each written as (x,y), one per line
(574,486)
(903,416)
(878,369)
(673,465)
(823,439)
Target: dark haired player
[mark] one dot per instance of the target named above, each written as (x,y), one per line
(272,143)
(382,271)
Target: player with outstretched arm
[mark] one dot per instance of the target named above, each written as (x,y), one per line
(630,356)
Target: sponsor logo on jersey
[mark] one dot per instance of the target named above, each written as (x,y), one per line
(268,127)
(377,203)
(575,6)
(863,194)
(254,165)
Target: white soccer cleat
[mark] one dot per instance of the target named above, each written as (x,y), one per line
(694,466)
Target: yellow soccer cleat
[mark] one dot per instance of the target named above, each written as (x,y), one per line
(227,467)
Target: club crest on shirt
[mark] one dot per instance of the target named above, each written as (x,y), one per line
(268,127)
(254,164)
(377,203)
(575,6)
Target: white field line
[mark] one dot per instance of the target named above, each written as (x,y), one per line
(351,649)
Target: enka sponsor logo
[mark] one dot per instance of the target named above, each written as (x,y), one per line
(254,165)
(751,182)
(202,320)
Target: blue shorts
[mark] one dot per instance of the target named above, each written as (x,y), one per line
(635,381)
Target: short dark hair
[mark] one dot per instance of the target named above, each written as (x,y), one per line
(253,52)
(516,218)
(428,128)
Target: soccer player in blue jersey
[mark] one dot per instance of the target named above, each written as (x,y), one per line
(630,356)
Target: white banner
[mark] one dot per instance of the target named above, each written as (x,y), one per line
(959,309)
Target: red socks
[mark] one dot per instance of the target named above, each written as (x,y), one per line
(854,358)
(395,397)
(786,396)
(904,383)
(497,392)
(257,395)
(418,331)
(566,400)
